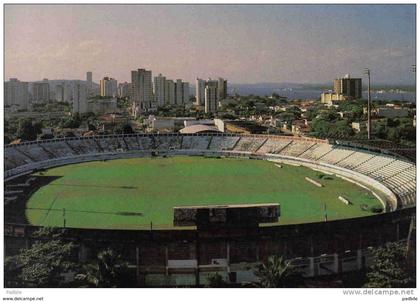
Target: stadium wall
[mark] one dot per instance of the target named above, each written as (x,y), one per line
(186,257)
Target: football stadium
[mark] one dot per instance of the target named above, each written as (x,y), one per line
(183,206)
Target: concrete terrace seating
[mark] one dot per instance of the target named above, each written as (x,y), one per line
(223,142)
(249,144)
(195,142)
(59,149)
(373,164)
(145,142)
(273,146)
(356,159)
(167,142)
(296,148)
(132,142)
(83,146)
(15,158)
(108,144)
(390,170)
(336,155)
(122,144)
(402,178)
(317,151)
(35,152)
(408,199)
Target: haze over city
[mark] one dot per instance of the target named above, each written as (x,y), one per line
(244,43)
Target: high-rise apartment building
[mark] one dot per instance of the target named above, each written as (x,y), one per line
(159,90)
(348,87)
(16,93)
(79,97)
(221,88)
(200,86)
(89,85)
(124,89)
(41,91)
(169,92)
(185,92)
(109,87)
(210,97)
(179,95)
(59,93)
(141,86)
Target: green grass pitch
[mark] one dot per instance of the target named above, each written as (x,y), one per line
(133,193)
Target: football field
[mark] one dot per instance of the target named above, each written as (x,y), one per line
(140,193)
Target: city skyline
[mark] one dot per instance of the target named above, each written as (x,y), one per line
(244,43)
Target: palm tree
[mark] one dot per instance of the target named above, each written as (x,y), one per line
(276,272)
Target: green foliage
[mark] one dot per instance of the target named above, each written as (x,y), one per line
(389,268)
(123,128)
(72,122)
(277,273)
(215,280)
(27,130)
(331,127)
(228,116)
(43,264)
(398,130)
(108,270)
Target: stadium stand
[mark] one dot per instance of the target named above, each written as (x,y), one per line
(83,146)
(195,142)
(59,149)
(167,142)
(132,143)
(273,146)
(249,144)
(355,159)
(145,142)
(296,148)
(396,173)
(316,152)
(373,164)
(35,152)
(223,142)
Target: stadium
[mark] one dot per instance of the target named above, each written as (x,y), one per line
(334,201)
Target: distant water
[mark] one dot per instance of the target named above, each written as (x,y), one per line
(302,93)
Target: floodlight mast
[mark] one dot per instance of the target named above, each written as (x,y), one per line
(369,126)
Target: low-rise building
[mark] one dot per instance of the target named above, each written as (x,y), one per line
(300,127)
(157,124)
(359,126)
(392,112)
(330,98)
(103,105)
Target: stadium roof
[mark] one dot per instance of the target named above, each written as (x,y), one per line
(198,128)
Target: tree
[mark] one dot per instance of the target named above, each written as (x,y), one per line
(215,280)
(108,270)
(71,122)
(124,129)
(43,264)
(276,272)
(389,268)
(28,130)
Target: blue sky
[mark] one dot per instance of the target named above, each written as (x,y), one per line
(244,43)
